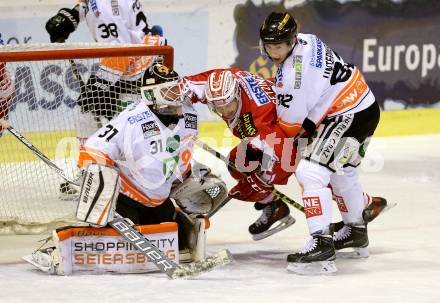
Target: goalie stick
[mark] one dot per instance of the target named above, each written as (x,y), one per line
(276,192)
(36,151)
(124,228)
(166,265)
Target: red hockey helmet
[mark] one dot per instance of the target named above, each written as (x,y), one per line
(221,89)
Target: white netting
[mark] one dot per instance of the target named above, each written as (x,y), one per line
(52,103)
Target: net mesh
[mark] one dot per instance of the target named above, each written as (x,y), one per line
(56,105)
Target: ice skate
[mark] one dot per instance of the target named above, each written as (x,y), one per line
(46,260)
(317,257)
(275,212)
(351,241)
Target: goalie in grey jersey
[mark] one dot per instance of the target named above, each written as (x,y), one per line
(141,166)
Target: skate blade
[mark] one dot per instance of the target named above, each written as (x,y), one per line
(283,224)
(313,268)
(355,253)
(40,261)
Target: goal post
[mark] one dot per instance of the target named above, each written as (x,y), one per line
(55,103)
(43,51)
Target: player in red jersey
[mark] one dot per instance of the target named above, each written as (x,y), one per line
(246,103)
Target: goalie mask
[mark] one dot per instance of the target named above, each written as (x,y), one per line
(161,93)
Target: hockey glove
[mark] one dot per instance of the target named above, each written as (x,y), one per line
(246,189)
(62,24)
(258,184)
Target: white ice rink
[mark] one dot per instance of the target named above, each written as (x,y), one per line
(404,265)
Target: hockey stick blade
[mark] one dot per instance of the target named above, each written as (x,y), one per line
(163,263)
(209,263)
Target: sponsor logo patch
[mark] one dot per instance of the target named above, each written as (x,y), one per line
(115,7)
(259,90)
(245,126)
(329,62)
(94,7)
(298,71)
(190,121)
(316,59)
(312,206)
(341,204)
(150,129)
(279,76)
(173,144)
(139,117)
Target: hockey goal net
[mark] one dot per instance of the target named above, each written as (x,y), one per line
(52,102)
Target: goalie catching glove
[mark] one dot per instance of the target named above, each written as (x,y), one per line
(99,192)
(201,192)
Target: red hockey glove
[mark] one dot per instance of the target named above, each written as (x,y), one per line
(251,189)
(258,184)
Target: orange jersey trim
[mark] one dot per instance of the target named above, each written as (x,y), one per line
(110,232)
(129,66)
(89,155)
(350,95)
(290,129)
(130,190)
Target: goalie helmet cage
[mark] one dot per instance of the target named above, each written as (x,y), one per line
(48,106)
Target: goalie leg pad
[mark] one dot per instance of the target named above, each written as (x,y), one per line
(88,250)
(99,191)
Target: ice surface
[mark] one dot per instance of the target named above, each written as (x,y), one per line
(403,266)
